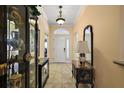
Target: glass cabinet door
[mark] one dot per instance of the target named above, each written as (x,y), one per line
(16,45)
(32,52)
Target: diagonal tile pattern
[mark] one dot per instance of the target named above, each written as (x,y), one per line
(60,76)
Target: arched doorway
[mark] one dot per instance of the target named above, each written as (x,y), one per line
(61,45)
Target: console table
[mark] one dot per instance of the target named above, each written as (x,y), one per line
(82,75)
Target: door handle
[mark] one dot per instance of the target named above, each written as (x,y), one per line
(64,49)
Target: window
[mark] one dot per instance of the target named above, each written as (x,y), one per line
(67,47)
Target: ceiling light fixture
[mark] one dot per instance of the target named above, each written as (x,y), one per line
(60,20)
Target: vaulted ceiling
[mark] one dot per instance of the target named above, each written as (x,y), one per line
(69,12)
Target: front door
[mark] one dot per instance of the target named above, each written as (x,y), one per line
(59,49)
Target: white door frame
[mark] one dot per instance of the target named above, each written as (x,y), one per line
(66,37)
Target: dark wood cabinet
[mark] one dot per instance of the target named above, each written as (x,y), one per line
(13,43)
(81,74)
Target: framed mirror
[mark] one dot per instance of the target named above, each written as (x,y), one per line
(88,36)
(46,45)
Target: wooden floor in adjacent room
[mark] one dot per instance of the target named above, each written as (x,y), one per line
(60,76)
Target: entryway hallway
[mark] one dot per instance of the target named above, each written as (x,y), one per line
(61,76)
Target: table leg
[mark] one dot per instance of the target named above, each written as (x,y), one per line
(72,73)
(76,85)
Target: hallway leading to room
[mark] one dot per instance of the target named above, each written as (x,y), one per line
(61,76)
(61,46)
(30,37)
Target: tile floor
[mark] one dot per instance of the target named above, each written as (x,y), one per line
(60,76)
